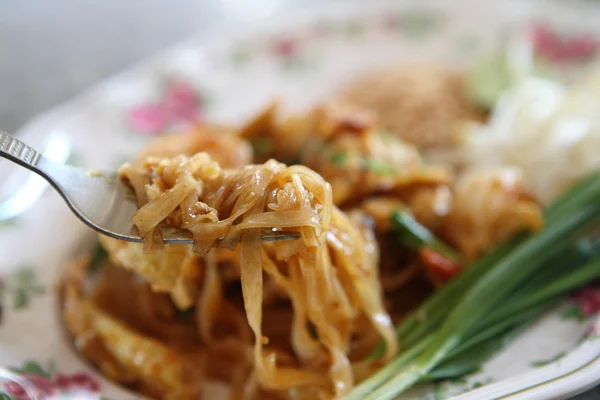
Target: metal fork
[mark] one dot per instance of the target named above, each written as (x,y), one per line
(97,197)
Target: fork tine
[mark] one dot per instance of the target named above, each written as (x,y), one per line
(177,236)
(274,236)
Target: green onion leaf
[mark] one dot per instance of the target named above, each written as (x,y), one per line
(339,159)
(378,167)
(262,145)
(98,257)
(414,235)
(186,315)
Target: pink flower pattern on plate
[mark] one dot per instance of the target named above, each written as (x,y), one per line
(391,22)
(180,103)
(285,48)
(559,48)
(588,300)
(45,386)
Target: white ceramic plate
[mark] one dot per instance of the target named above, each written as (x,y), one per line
(226,77)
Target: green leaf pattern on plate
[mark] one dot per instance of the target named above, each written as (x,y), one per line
(20,286)
(293,53)
(34,368)
(10,223)
(542,363)
(419,24)
(574,312)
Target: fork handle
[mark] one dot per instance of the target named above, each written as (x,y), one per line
(17,151)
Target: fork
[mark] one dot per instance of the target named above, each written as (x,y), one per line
(97,197)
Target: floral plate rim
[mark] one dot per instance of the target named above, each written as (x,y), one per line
(576,372)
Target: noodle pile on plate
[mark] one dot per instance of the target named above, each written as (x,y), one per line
(232,317)
(328,279)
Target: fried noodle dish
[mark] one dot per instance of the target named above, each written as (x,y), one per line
(236,317)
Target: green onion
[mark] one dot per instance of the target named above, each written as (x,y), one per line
(476,303)
(511,315)
(377,379)
(378,167)
(468,357)
(584,192)
(387,136)
(563,284)
(416,326)
(262,145)
(339,159)
(483,296)
(436,307)
(431,313)
(187,314)
(514,316)
(98,258)
(505,323)
(414,235)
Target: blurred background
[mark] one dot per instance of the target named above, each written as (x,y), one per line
(51,50)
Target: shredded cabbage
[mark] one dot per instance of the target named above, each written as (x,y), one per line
(549,130)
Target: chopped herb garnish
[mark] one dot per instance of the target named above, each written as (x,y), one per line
(415,236)
(378,167)
(97,259)
(186,315)
(339,159)
(262,145)
(387,136)
(312,330)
